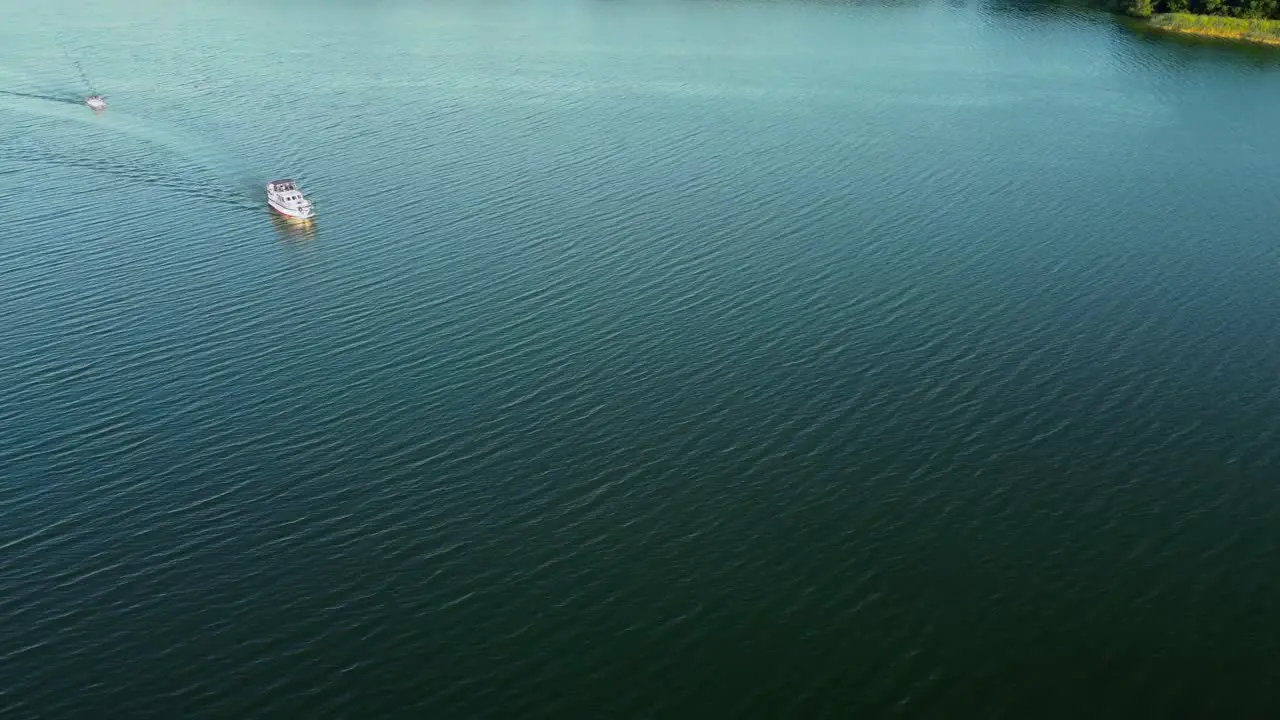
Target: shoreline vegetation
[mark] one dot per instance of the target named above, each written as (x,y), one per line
(1254,21)
(1254,30)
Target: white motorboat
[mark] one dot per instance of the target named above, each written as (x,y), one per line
(285,198)
(97,102)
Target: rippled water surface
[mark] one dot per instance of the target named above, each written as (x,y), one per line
(647,359)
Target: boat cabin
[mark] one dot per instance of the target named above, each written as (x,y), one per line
(288,200)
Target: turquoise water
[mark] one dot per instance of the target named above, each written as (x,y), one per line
(663,359)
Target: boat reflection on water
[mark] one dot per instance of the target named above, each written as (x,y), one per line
(293,231)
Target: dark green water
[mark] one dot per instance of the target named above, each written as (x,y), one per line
(648,359)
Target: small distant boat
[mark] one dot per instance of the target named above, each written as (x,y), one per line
(285,198)
(97,102)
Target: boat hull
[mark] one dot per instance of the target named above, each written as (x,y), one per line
(291,215)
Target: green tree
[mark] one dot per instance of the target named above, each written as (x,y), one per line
(1210,7)
(1140,8)
(1259,9)
(1178,6)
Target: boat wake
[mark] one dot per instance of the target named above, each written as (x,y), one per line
(134,149)
(131,148)
(37,96)
(138,171)
(84,76)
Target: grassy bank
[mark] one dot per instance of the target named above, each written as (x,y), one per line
(1218,26)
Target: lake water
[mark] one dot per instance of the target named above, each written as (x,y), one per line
(647,359)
